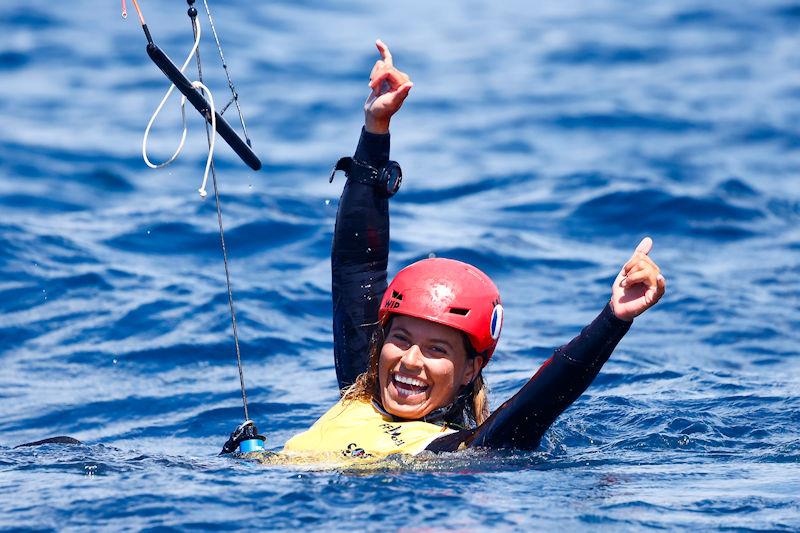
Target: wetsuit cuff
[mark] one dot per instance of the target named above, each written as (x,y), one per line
(373,148)
(615,323)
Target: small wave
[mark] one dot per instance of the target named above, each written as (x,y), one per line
(486,184)
(166,238)
(656,211)
(104,179)
(497,259)
(29,296)
(621,120)
(152,358)
(13,60)
(31,18)
(37,203)
(702,16)
(789,11)
(609,55)
(736,189)
(753,134)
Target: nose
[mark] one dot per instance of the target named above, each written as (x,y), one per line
(412,358)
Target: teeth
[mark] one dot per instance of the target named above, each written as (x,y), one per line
(410,381)
(406,392)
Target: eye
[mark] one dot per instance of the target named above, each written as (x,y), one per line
(439,350)
(399,338)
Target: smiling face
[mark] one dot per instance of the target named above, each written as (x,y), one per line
(422,366)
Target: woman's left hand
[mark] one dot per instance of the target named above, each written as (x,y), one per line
(389,88)
(639,285)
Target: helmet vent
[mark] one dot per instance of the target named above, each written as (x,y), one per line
(459,311)
(396,295)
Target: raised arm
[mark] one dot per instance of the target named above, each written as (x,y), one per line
(360,250)
(521,421)
(359,256)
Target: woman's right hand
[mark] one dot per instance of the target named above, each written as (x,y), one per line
(389,89)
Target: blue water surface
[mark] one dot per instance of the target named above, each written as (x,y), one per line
(541,142)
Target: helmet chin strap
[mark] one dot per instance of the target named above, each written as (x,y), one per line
(452,414)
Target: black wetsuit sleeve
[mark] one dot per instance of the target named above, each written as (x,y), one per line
(521,421)
(359,258)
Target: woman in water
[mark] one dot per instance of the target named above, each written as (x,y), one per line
(409,357)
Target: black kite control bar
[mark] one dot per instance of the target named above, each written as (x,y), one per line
(199,102)
(186,88)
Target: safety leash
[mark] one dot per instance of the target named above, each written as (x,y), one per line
(245,437)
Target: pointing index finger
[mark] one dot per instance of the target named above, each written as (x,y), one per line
(386,55)
(645,246)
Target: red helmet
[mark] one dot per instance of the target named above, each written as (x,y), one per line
(448,292)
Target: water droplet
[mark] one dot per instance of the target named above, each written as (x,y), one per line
(148,232)
(250,187)
(327,202)
(369,250)
(431,255)
(356,234)
(114,361)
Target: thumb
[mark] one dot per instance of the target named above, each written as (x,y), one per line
(401,93)
(645,246)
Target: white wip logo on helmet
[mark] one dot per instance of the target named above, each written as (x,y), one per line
(497,322)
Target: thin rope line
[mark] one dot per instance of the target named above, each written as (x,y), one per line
(212,139)
(227,74)
(195,29)
(138,11)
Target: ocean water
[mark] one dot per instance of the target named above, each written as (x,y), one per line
(541,142)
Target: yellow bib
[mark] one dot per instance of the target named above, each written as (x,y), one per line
(358,429)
